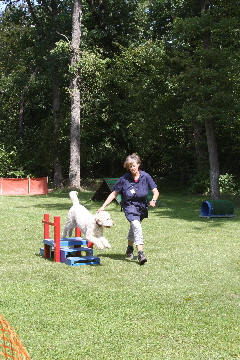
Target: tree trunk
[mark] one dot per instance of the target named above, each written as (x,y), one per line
(209,123)
(213,160)
(74,168)
(57,176)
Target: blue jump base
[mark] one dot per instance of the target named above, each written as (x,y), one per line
(71,251)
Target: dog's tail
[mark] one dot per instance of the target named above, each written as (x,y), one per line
(74,197)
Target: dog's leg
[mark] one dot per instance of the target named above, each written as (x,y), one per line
(68,228)
(105,242)
(95,241)
(65,230)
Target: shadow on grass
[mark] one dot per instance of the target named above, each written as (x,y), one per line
(43,258)
(84,199)
(51,259)
(119,257)
(171,205)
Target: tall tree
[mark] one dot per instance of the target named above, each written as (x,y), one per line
(209,121)
(205,60)
(74,168)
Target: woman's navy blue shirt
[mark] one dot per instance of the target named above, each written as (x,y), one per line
(134,194)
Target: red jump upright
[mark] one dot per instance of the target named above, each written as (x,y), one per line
(56,225)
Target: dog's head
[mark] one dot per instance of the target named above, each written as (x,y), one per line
(103,218)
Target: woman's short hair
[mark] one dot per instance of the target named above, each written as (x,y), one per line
(134,158)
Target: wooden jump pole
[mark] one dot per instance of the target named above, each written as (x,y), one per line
(57,238)
(46,234)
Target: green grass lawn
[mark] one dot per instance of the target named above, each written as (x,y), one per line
(182,304)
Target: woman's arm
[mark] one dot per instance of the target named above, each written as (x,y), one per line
(109,199)
(155,197)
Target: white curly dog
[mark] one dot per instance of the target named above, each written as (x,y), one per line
(90,225)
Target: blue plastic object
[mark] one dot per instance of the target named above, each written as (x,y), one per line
(217,208)
(85,260)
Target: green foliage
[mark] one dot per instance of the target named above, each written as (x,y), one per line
(9,164)
(199,184)
(110,23)
(27,67)
(228,184)
(204,77)
(121,104)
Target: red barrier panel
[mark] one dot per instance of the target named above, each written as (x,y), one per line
(20,186)
(38,186)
